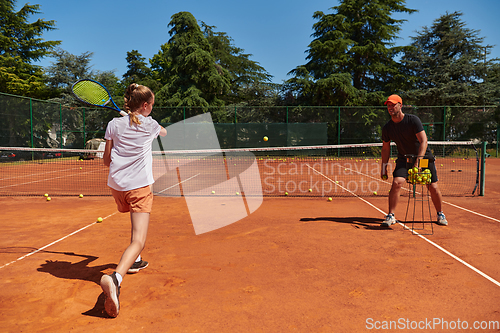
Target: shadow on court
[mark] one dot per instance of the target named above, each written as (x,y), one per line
(98,309)
(80,271)
(357,222)
(75,270)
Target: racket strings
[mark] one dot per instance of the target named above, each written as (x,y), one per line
(91,93)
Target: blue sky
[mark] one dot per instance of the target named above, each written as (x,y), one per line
(276,32)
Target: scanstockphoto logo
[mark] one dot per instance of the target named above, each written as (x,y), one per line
(220,188)
(324,176)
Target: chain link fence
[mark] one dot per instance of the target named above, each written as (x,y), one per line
(27,122)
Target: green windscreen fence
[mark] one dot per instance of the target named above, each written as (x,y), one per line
(27,122)
(251,135)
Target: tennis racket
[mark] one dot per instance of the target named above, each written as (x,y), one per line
(93,93)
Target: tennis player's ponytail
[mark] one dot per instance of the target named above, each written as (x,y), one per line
(135,96)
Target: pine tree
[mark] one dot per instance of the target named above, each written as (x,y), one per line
(194,77)
(21,45)
(449,65)
(352,56)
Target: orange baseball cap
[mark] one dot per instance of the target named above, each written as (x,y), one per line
(394,99)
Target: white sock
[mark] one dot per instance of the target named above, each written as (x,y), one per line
(119,278)
(138,258)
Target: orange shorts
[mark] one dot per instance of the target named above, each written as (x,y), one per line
(139,200)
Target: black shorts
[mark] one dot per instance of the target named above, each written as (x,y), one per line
(401,169)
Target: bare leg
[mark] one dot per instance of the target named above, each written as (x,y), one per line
(140,223)
(435,196)
(394,193)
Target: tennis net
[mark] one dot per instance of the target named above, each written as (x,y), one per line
(312,171)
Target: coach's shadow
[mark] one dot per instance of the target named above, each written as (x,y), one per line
(357,222)
(81,271)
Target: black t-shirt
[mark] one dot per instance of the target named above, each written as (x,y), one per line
(404,135)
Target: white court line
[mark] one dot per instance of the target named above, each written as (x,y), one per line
(47,179)
(54,242)
(419,235)
(185,180)
(471,211)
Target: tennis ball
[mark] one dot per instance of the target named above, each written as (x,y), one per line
(415,170)
(310,190)
(48,199)
(46,194)
(266,138)
(99,219)
(286,193)
(330,199)
(81,195)
(213,192)
(374,192)
(237,193)
(80,168)
(384,177)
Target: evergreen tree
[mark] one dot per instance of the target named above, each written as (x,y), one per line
(250,82)
(21,45)
(449,65)
(194,77)
(351,59)
(139,72)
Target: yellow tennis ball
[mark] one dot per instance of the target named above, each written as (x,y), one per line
(286,193)
(266,138)
(384,177)
(375,193)
(330,199)
(81,195)
(213,192)
(237,193)
(48,199)
(99,219)
(46,194)
(310,190)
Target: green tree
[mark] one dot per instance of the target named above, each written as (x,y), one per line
(139,72)
(352,56)
(74,116)
(250,83)
(193,77)
(449,65)
(21,45)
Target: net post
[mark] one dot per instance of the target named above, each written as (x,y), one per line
(31,123)
(444,123)
(498,135)
(61,126)
(482,172)
(84,129)
(338,127)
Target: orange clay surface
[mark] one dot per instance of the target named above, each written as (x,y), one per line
(295,265)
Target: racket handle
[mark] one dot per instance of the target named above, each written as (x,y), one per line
(123,113)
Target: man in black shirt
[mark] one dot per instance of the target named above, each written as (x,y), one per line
(407,132)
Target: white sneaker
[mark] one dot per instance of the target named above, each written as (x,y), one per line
(109,284)
(389,220)
(442,219)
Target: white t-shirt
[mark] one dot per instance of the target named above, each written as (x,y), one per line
(131,157)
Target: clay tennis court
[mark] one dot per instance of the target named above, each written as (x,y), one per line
(297,264)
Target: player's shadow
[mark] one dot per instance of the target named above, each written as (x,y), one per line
(357,222)
(75,270)
(79,270)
